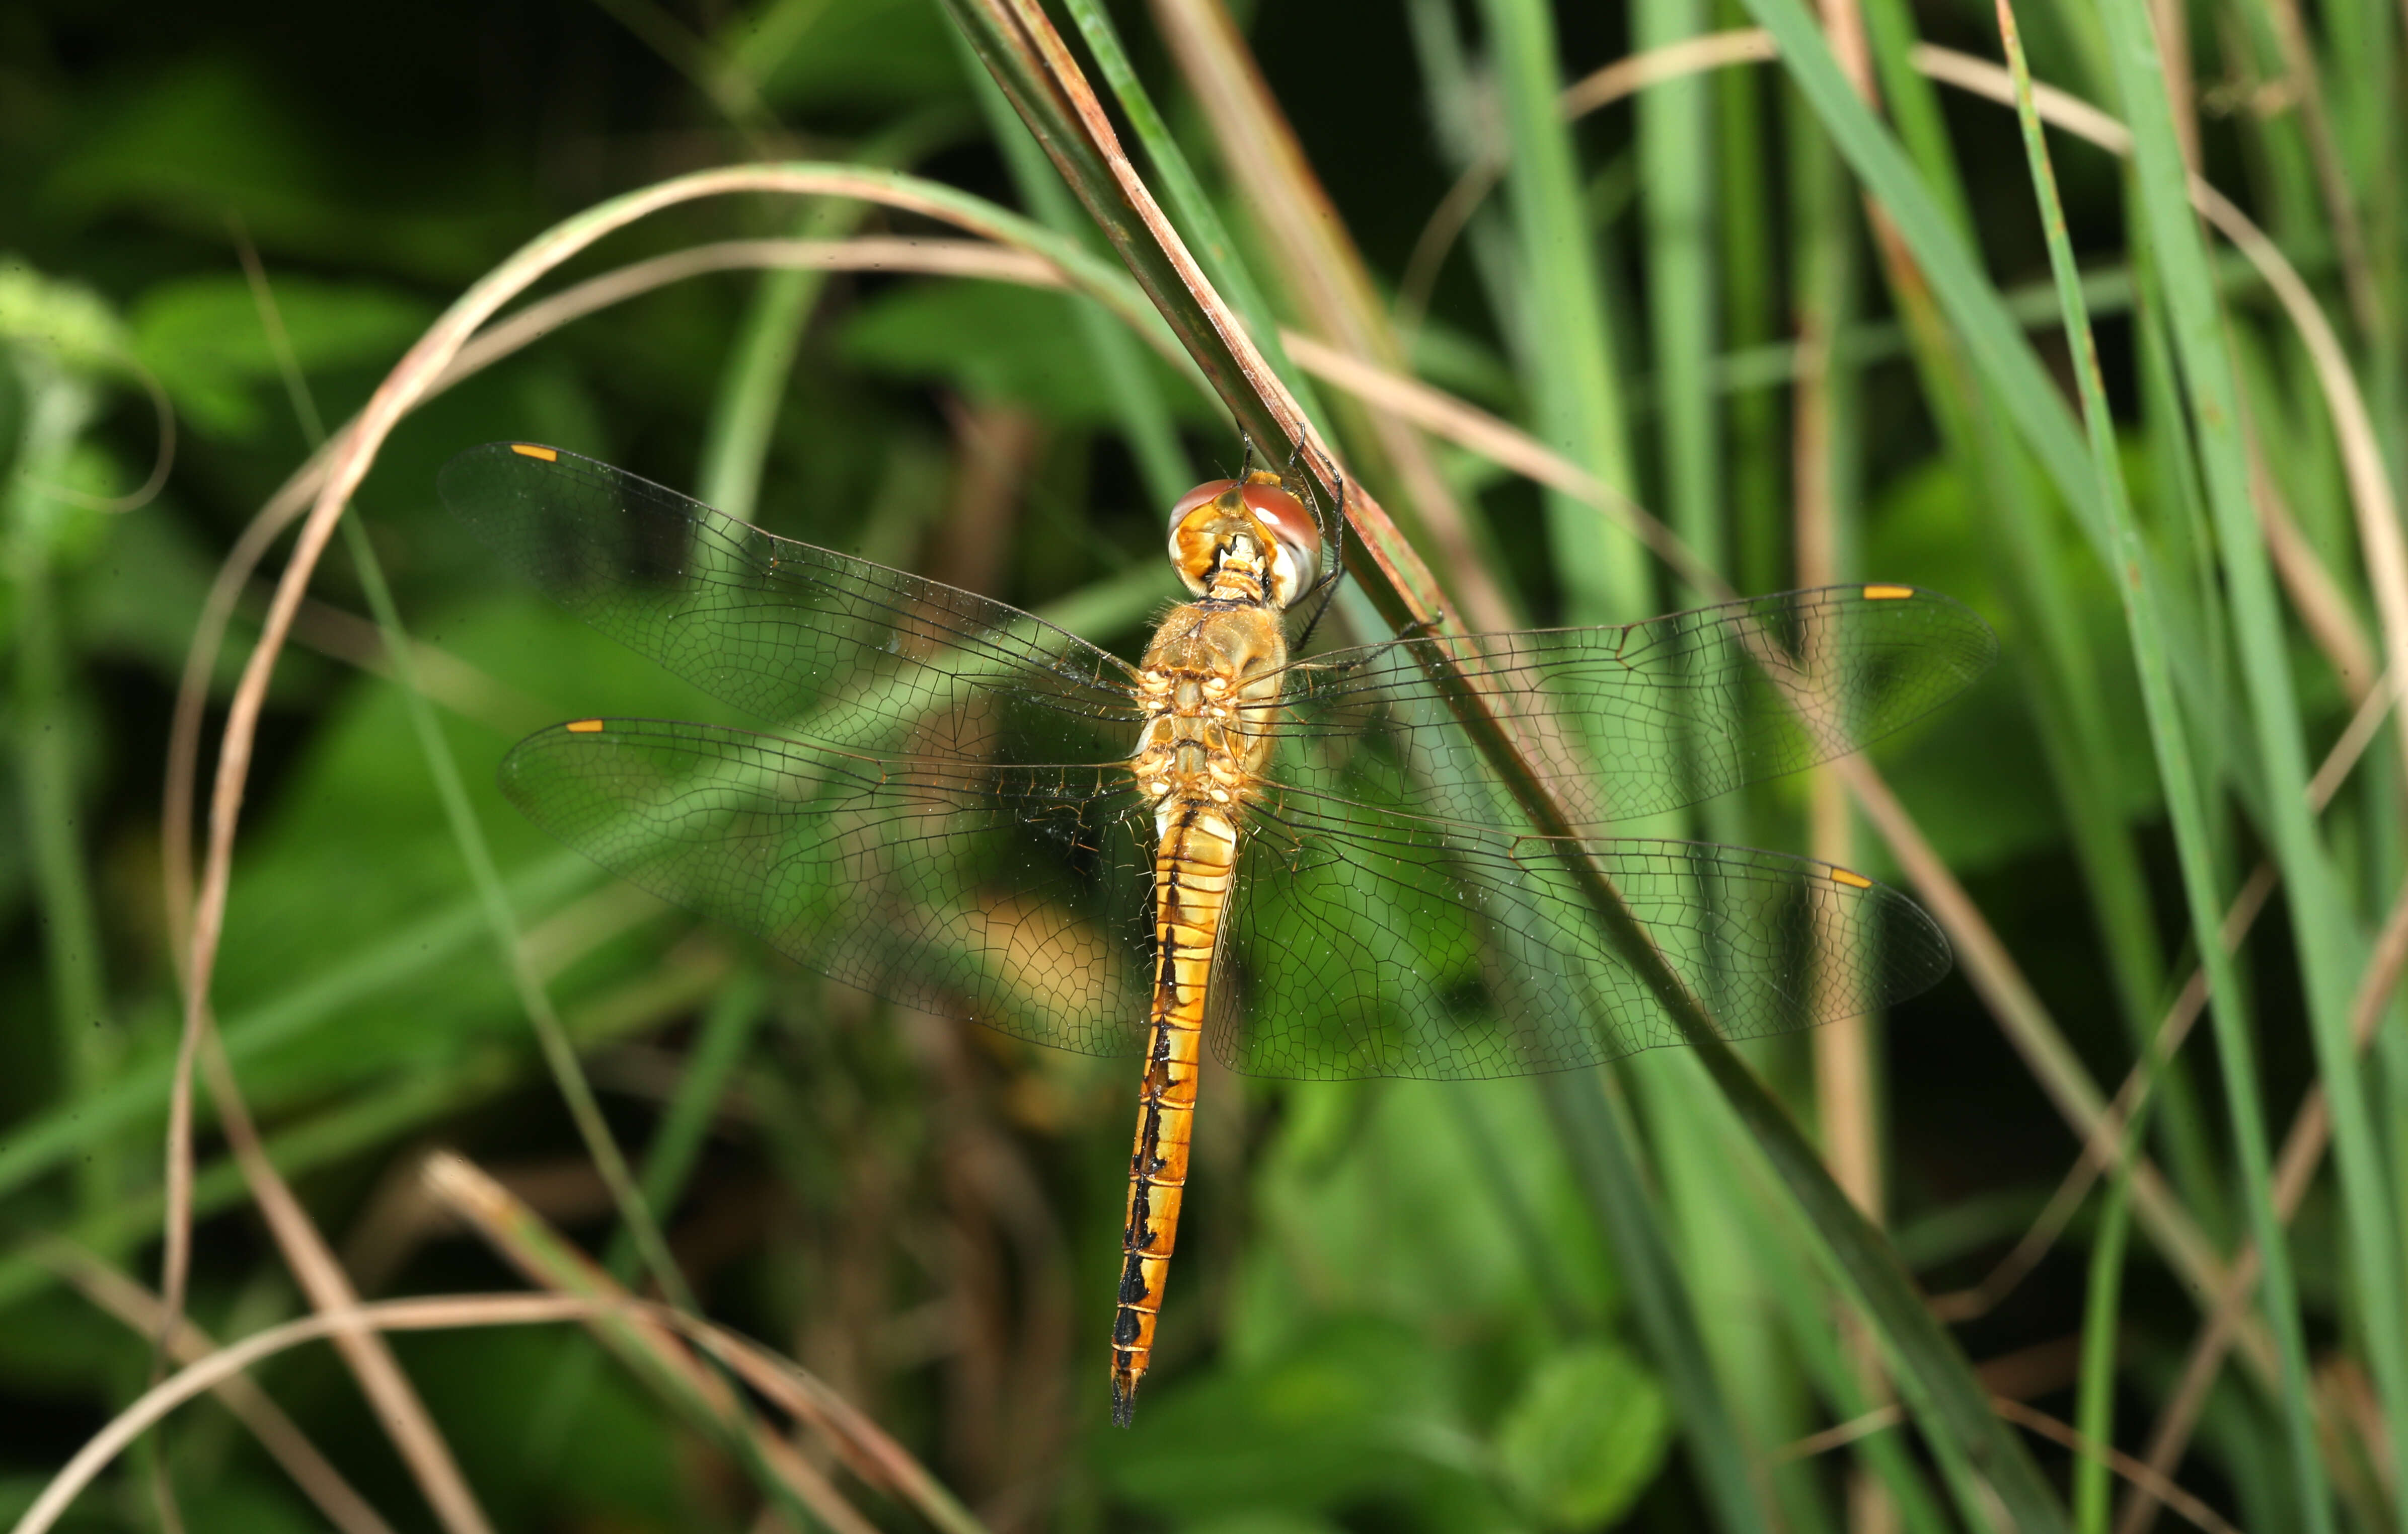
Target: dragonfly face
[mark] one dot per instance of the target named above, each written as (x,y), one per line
(1303,862)
(1254,518)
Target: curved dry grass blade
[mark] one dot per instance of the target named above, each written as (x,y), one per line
(649,1336)
(934,257)
(398,1409)
(449,1312)
(655,1351)
(276,1433)
(1506,445)
(350,455)
(1635,72)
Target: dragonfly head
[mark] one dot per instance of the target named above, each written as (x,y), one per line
(1248,527)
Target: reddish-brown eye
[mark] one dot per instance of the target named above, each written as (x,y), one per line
(1283,516)
(1197,497)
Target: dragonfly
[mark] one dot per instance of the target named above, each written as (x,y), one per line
(1301,859)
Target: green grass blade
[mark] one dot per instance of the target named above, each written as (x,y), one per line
(1605,1164)
(31,518)
(2187,804)
(1677,158)
(1144,416)
(533,995)
(1569,355)
(2332,949)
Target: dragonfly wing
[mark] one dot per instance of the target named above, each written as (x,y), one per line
(819,642)
(1366,942)
(1016,895)
(1629,720)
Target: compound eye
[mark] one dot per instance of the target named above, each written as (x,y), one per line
(1296,558)
(1208,490)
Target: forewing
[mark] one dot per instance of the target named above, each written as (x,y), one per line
(820,643)
(1625,722)
(1016,895)
(1364,941)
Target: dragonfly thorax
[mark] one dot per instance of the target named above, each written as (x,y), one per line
(1244,541)
(1208,684)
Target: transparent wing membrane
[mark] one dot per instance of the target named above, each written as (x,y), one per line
(944,815)
(781,628)
(1630,720)
(1370,942)
(1014,895)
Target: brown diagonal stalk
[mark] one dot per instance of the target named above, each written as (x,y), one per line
(1035,72)
(1845,1106)
(1034,68)
(1329,285)
(640,1338)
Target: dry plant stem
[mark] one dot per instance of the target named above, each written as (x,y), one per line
(2143,1478)
(314,1265)
(2303,1150)
(519,1235)
(193,692)
(1505,444)
(1405,591)
(1045,62)
(1882,1418)
(1325,278)
(1843,1072)
(2314,594)
(2173,27)
(163,458)
(445,1314)
(1694,55)
(276,1433)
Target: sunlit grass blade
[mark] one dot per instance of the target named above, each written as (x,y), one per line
(1569,355)
(1146,419)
